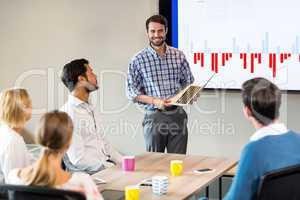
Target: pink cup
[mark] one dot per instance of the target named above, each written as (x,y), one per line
(128,163)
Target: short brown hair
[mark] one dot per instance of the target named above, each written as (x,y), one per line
(13,103)
(263,98)
(72,71)
(158,19)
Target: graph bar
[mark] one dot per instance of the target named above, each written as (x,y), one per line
(252,63)
(270,61)
(212,62)
(259,58)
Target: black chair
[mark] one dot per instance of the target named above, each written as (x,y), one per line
(280,184)
(17,192)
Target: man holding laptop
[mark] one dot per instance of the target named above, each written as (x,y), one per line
(155,75)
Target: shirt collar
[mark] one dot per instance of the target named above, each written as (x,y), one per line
(272,129)
(76,101)
(152,51)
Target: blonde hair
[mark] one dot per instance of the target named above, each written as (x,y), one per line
(13,103)
(54,133)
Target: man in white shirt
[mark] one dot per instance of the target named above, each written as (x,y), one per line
(88,152)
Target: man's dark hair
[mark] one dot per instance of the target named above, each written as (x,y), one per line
(158,19)
(263,98)
(72,71)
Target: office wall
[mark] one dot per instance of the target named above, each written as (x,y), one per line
(38,37)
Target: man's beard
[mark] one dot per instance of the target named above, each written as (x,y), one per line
(157,44)
(90,87)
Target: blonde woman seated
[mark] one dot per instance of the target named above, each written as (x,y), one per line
(15,111)
(54,134)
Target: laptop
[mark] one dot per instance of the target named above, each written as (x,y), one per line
(185,96)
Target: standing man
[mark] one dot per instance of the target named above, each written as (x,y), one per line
(88,151)
(155,74)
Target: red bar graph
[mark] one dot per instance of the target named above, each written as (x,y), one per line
(255,58)
(270,60)
(202,59)
(281,58)
(259,58)
(195,58)
(212,62)
(216,62)
(243,56)
(252,63)
(274,65)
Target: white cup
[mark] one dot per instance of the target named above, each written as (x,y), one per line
(160,185)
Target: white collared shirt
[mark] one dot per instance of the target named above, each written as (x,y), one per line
(89,151)
(271,129)
(13,152)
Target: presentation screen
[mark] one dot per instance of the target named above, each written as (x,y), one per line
(239,40)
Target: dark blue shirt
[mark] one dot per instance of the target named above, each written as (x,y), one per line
(262,156)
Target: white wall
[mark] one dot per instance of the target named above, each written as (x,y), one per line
(38,37)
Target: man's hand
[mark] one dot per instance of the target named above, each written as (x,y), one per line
(161,103)
(167,103)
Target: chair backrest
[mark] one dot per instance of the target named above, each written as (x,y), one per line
(280,184)
(18,192)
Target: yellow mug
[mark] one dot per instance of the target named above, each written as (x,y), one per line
(132,192)
(176,167)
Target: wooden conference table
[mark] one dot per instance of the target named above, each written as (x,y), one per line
(152,164)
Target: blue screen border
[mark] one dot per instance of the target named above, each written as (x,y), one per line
(174,12)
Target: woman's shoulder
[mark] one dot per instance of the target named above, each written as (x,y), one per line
(80,179)
(80,175)
(9,135)
(13,177)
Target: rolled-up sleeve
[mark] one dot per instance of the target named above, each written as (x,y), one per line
(186,74)
(134,81)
